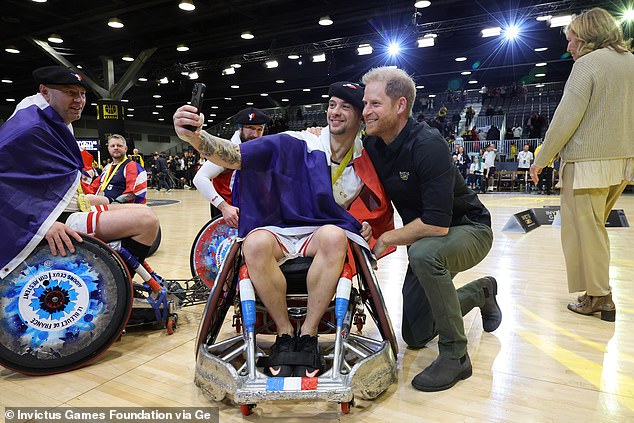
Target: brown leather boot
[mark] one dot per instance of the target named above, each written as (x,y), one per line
(592,305)
(581,298)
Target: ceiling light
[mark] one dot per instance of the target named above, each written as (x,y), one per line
(364,49)
(156,96)
(182,47)
(155,113)
(7,81)
(186,5)
(321,57)
(12,49)
(324,96)
(246,35)
(235,86)
(39,1)
(54,38)
(427,41)
(460,59)
(308,106)
(512,32)
(212,114)
(271,64)
(93,104)
(420,87)
(422,4)
(124,100)
(285,99)
(130,115)
(161,119)
(473,81)
(279,81)
(185,73)
(293,56)
(214,107)
(193,75)
(228,98)
(628,15)
(432,95)
(541,64)
(164,80)
(127,58)
(264,94)
(557,21)
(115,23)
(393,49)
(465,73)
(10,99)
(236,65)
(229,71)
(249,103)
(142,79)
(539,75)
(539,85)
(159,106)
(543,18)
(306,89)
(79,67)
(130,109)
(325,21)
(541,49)
(491,32)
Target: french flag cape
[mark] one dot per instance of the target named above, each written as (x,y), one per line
(40,170)
(285,182)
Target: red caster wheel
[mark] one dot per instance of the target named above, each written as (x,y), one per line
(247,409)
(170,326)
(345,407)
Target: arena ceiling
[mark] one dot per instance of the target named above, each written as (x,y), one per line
(212,31)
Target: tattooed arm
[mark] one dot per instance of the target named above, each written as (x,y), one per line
(220,151)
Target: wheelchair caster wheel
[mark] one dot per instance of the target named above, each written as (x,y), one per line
(247,409)
(171,324)
(345,407)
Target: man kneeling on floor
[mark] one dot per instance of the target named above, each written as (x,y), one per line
(288,210)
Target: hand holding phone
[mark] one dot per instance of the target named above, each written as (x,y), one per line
(198,92)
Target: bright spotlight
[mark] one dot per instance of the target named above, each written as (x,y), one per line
(512,32)
(394,49)
(628,15)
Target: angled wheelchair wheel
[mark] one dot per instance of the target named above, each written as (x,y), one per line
(59,313)
(220,299)
(209,249)
(373,299)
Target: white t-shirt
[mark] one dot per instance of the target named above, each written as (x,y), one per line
(489,159)
(524,159)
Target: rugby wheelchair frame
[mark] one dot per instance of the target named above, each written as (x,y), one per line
(356,364)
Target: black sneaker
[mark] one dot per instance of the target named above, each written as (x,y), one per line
(309,347)
(279,353)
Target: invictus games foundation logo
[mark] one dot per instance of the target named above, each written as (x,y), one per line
(53,300)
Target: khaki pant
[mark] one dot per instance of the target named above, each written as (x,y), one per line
(430,299)
(584,238)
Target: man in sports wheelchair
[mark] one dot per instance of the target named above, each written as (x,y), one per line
(41,191)
(292,191)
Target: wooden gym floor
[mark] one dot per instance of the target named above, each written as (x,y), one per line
(544,364)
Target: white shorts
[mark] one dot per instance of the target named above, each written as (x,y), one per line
(292,246)
(86,222)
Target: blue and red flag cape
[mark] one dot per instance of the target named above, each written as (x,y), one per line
(286,182)
(40,170)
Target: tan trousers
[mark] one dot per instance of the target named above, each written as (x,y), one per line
(584,238)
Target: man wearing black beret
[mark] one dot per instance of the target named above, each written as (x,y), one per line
(214,182)
(51,205)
